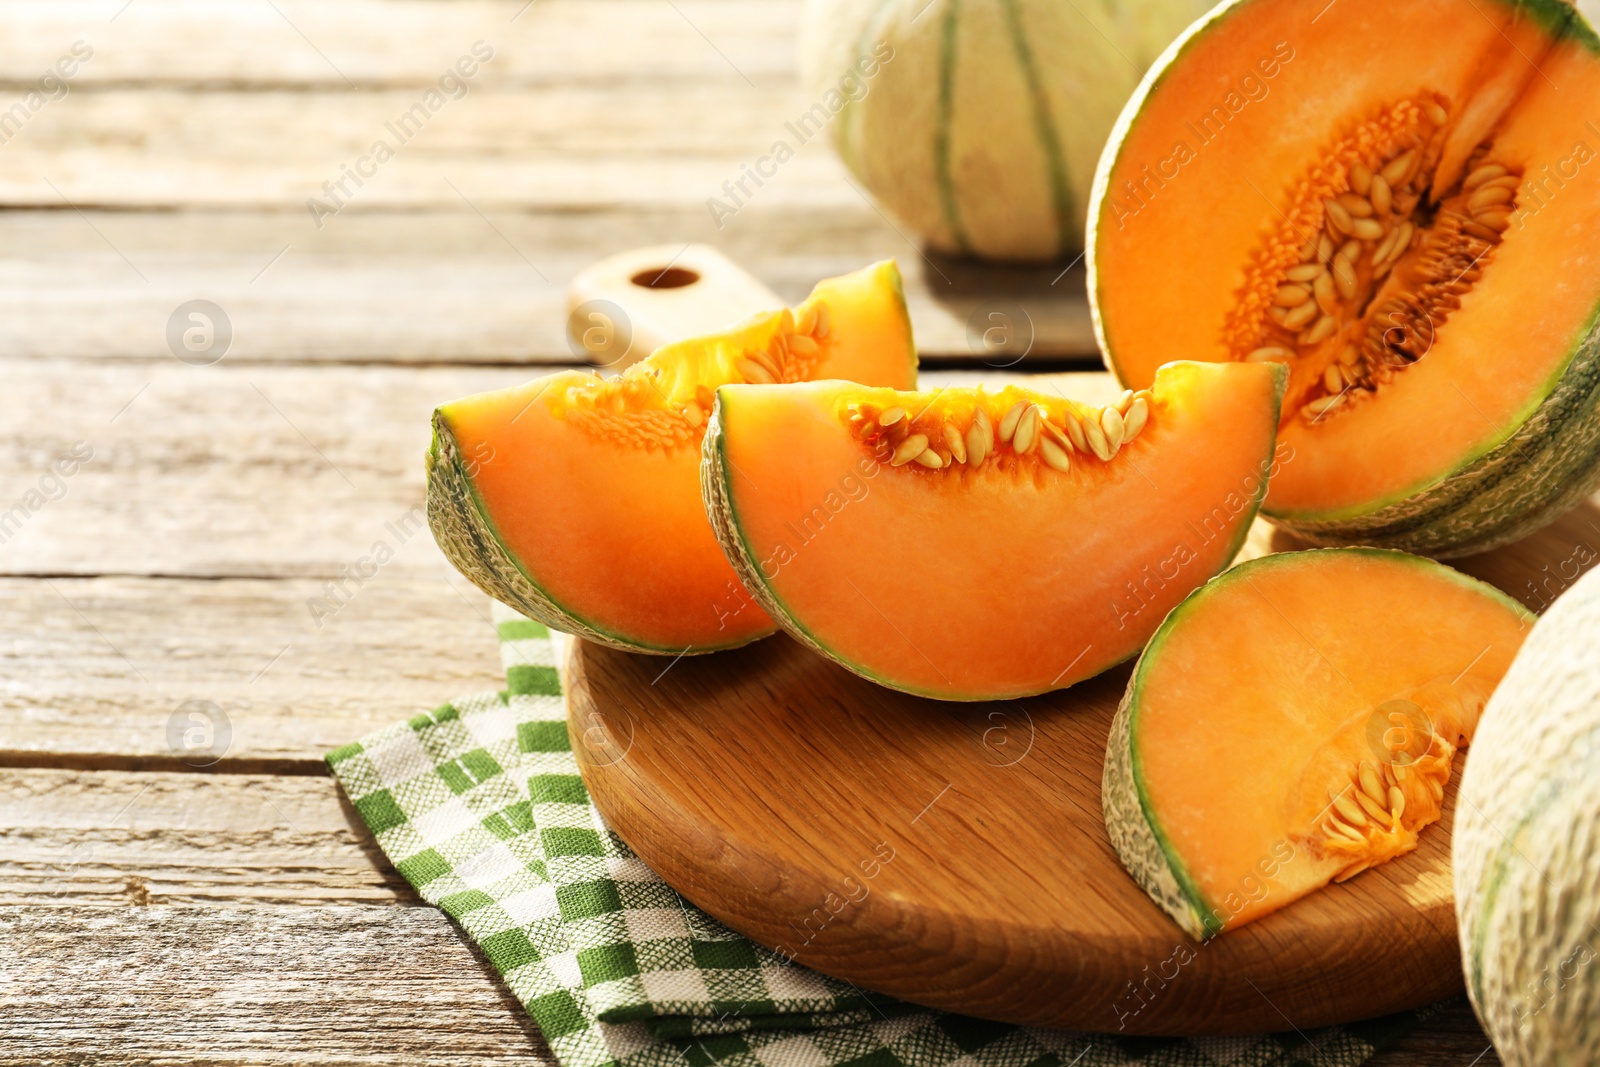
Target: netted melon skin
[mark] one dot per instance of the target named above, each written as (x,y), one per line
(1129,827)
(1527,845)
(468,540)
(1547,467)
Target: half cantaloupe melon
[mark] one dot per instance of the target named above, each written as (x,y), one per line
(1293,723)
(967,545)
(1401,202)
(576,499)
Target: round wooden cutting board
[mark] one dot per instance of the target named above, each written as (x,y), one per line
(954,855)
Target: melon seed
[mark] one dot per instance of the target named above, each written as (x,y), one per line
(1123,401)
(821,329)
(1054,455)
(1382,197)
(1488,172)
(1366,229)
(1379,813)
(1397,801)
(1008,421)
(1327,297)
(1289,296)
(1350,810)
(1097,441)
(953,441)
(892,416)
(1338,217)
(1497,221)
(802,345)
(1361,178)
(1370,784)
(1494,194)
(1321,330)
(1357,206)
(1057,434)
(1306,272)
(1266,352)
(980,438)
(929,458)
(1027,430)
(1075,431)
(1111,423)
(1296,318)
(751,371)
(909,449)
(1398,169)
(1138,413)
(806,321)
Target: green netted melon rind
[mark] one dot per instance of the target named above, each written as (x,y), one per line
(1548,465)
(1132,831)
(1526,845)
(717,495)
(1543,468)
(1132,824)
(468,538)
(470,541)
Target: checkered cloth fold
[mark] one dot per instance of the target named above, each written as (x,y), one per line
(480,806)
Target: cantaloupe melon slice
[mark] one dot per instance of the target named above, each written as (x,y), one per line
(1398,201)
(576,499)
(969,545)
(1293,723)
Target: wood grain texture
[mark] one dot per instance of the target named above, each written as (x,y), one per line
(70,839)
(451,286)
(354,45)
(207,135)
(182,985)
(98,669)
(118,856)
(1004,897)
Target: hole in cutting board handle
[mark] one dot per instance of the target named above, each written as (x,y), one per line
(668,278)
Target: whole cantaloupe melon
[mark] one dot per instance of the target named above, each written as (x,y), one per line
(978,122)
(1527,845)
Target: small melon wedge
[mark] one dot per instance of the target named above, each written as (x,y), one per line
(1293,723)
(967,545)
(576,499)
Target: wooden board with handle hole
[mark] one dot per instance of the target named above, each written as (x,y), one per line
(954,855)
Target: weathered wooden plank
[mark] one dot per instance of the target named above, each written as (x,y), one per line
(456,287)
(375,43)
(286,985)
(73,838)
(101,672)
(313,986)
(206,879)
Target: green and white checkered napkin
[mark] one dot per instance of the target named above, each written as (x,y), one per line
(480,806)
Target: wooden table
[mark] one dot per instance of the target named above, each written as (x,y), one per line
(151,911)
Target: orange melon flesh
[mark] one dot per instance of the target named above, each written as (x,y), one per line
(592,487)
(1010,579)
(1173,246)
(1263,694)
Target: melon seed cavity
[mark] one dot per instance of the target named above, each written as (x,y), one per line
(1370,258)
(1026,432)
(641,409)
